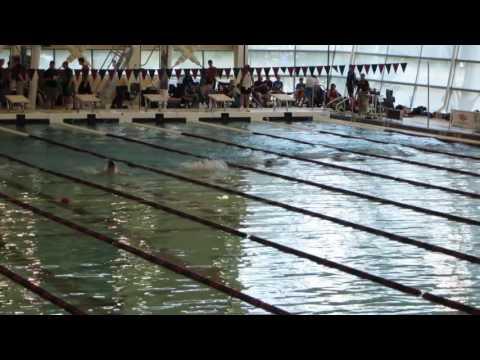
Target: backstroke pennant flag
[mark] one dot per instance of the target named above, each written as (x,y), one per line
(367,68)
(195,73)
(342,68)
(404,66)
(267,70)
(101,72)
(388,66)
(381,67)
(111,74)
(284,69)
(259,71)
(335,67)
(144,73)
(305,69)
(319,69)
(236,71)
(290,70)
(219,72)
(94,73)
(119,73)
(374,68)
(169,72)
(395,67)
(228,71)
(275,71)
(128,72)
(360,68)
(327,69)
(135,73)
(312,70)
(178,72)
(297,70)
(151,72)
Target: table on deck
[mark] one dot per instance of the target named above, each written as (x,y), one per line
(13,100)
(90,99)
(152,98)
(219,98)
(281,98)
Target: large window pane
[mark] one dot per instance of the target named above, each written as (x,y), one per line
(102,59)
(410,50)
(5,54)
(270,58)
(341,59)
(436,98)
(469,52)
(45,57)
(347,48)
(62,55)
(315,47)
(150,59)
(188,64)
(437,51)
(271,47)
(439,71)
(402,93)
(464,100)
(221,59)
(374,49)
(467,76)
(312,58)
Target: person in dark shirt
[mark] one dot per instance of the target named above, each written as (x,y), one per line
(351,82)
(51,85)
(277,86)
(300,92)
(268,83)
(18,76)
(67,84)
(260,89)
(363,86)
(84,65)
(211,76)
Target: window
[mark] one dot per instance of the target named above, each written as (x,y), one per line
(312,58)
(347,48)
(315,47)
(221,59)
(271,47)
(371,59)
(45,57)
(437,97)
(5,54)
(464,100)
(188,64)
(408,76)
(150,59)
(409,50)
(374,49)
(402,93)
(467,76)
(439,72)
(437,51)
(271,58)
(62,55)
(469,52)
(102,59)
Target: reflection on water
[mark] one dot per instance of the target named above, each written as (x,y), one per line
(103,280)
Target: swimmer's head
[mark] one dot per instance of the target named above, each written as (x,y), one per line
(65,200)
(111,165)
(269,162)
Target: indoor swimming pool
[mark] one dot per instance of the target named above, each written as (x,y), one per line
(390,205)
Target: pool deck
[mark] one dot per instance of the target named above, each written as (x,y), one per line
(412,126)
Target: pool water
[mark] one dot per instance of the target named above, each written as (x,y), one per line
(100,279)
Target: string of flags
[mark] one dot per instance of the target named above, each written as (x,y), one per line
(221,72)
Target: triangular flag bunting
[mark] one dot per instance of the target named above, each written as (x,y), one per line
(395,67)
(267,70)
(144,73)
(111,74)
(94,74)
(236,71)
(228,71)
(312,70)
(259,71)
(290,70)
(78,72)
(335,67)
(404,66)
(119,73)
(219,72)
(284,69)
(305,69)
(169,72)
(367,68)
(101,72)
(374,67)
(352,67)
(388,66)
(359,68)
(275,71)
(178,72)
(380,67)
(151,72)
(135,73)
(185,71)
(319,69)
(342,68)
(297,70)
(129,73)
(195,73)
(327,69)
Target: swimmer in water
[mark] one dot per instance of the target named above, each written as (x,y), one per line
(111,168)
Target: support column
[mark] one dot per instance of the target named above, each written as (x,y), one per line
(34,64)
(240,55)
(136,57)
